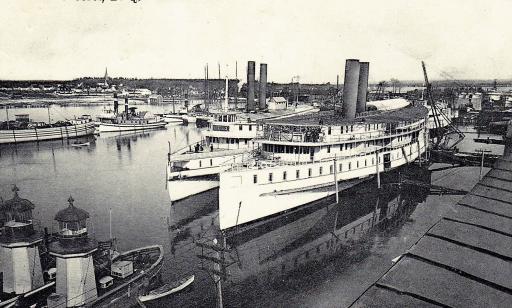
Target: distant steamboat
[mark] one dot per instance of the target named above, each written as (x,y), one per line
(129,120)
(305,158)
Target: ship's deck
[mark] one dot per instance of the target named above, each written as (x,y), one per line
(410,113)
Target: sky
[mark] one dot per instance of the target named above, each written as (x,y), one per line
(65,39)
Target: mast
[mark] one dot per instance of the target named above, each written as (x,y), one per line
(226,98)
(49,119)
(236,89)
(208,88)
(110,222)
(172,98)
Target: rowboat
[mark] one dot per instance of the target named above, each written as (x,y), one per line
(167,289)
(80,144)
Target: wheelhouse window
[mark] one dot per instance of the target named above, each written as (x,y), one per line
(284,175)
(321,170)
(270,177)
(240,127)
(341,167)
(331,169)
(349,166)
(250,127)
(255,179)
(328,130)
(297,174)
(310,172)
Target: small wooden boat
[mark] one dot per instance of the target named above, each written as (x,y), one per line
(80,144)
(167,289)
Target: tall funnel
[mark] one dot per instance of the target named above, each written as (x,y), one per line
(251,68)
(350,88)
(263,86)
(362,90)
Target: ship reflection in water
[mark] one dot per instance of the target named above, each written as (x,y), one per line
(275,254)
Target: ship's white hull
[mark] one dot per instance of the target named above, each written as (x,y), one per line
(196,179)
(173,120)
(107,127)
(189,119)
(180,189)
(242,201)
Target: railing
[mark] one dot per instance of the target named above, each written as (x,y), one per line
(266,162)
(300,137)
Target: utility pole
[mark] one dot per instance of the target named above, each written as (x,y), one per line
(215,253)
(217,267)
(378,171)
(482,161)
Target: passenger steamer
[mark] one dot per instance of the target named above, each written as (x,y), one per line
(195,168)
(228,139)
(129,120)
(307,158)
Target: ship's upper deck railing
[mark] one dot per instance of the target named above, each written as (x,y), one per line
(317,134)
(263,160)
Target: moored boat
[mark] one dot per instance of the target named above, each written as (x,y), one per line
(307,158)
(195,168)
(168,289)
(130,120)
(25,130)
(88,274)
(228,139)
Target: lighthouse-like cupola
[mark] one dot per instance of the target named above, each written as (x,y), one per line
(19,246)
(72,225)
(75,281)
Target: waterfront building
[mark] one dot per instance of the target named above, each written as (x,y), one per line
(277,103)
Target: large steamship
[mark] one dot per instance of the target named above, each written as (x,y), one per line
(307,158)
(228,139)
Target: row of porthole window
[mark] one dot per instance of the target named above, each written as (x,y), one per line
(310,171)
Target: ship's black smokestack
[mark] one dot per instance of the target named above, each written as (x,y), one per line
(350,88)
(362,90)
(263,86)
(251,68)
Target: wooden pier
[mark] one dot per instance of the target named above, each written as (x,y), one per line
(464,260)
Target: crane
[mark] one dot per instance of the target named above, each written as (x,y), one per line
(438,113)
